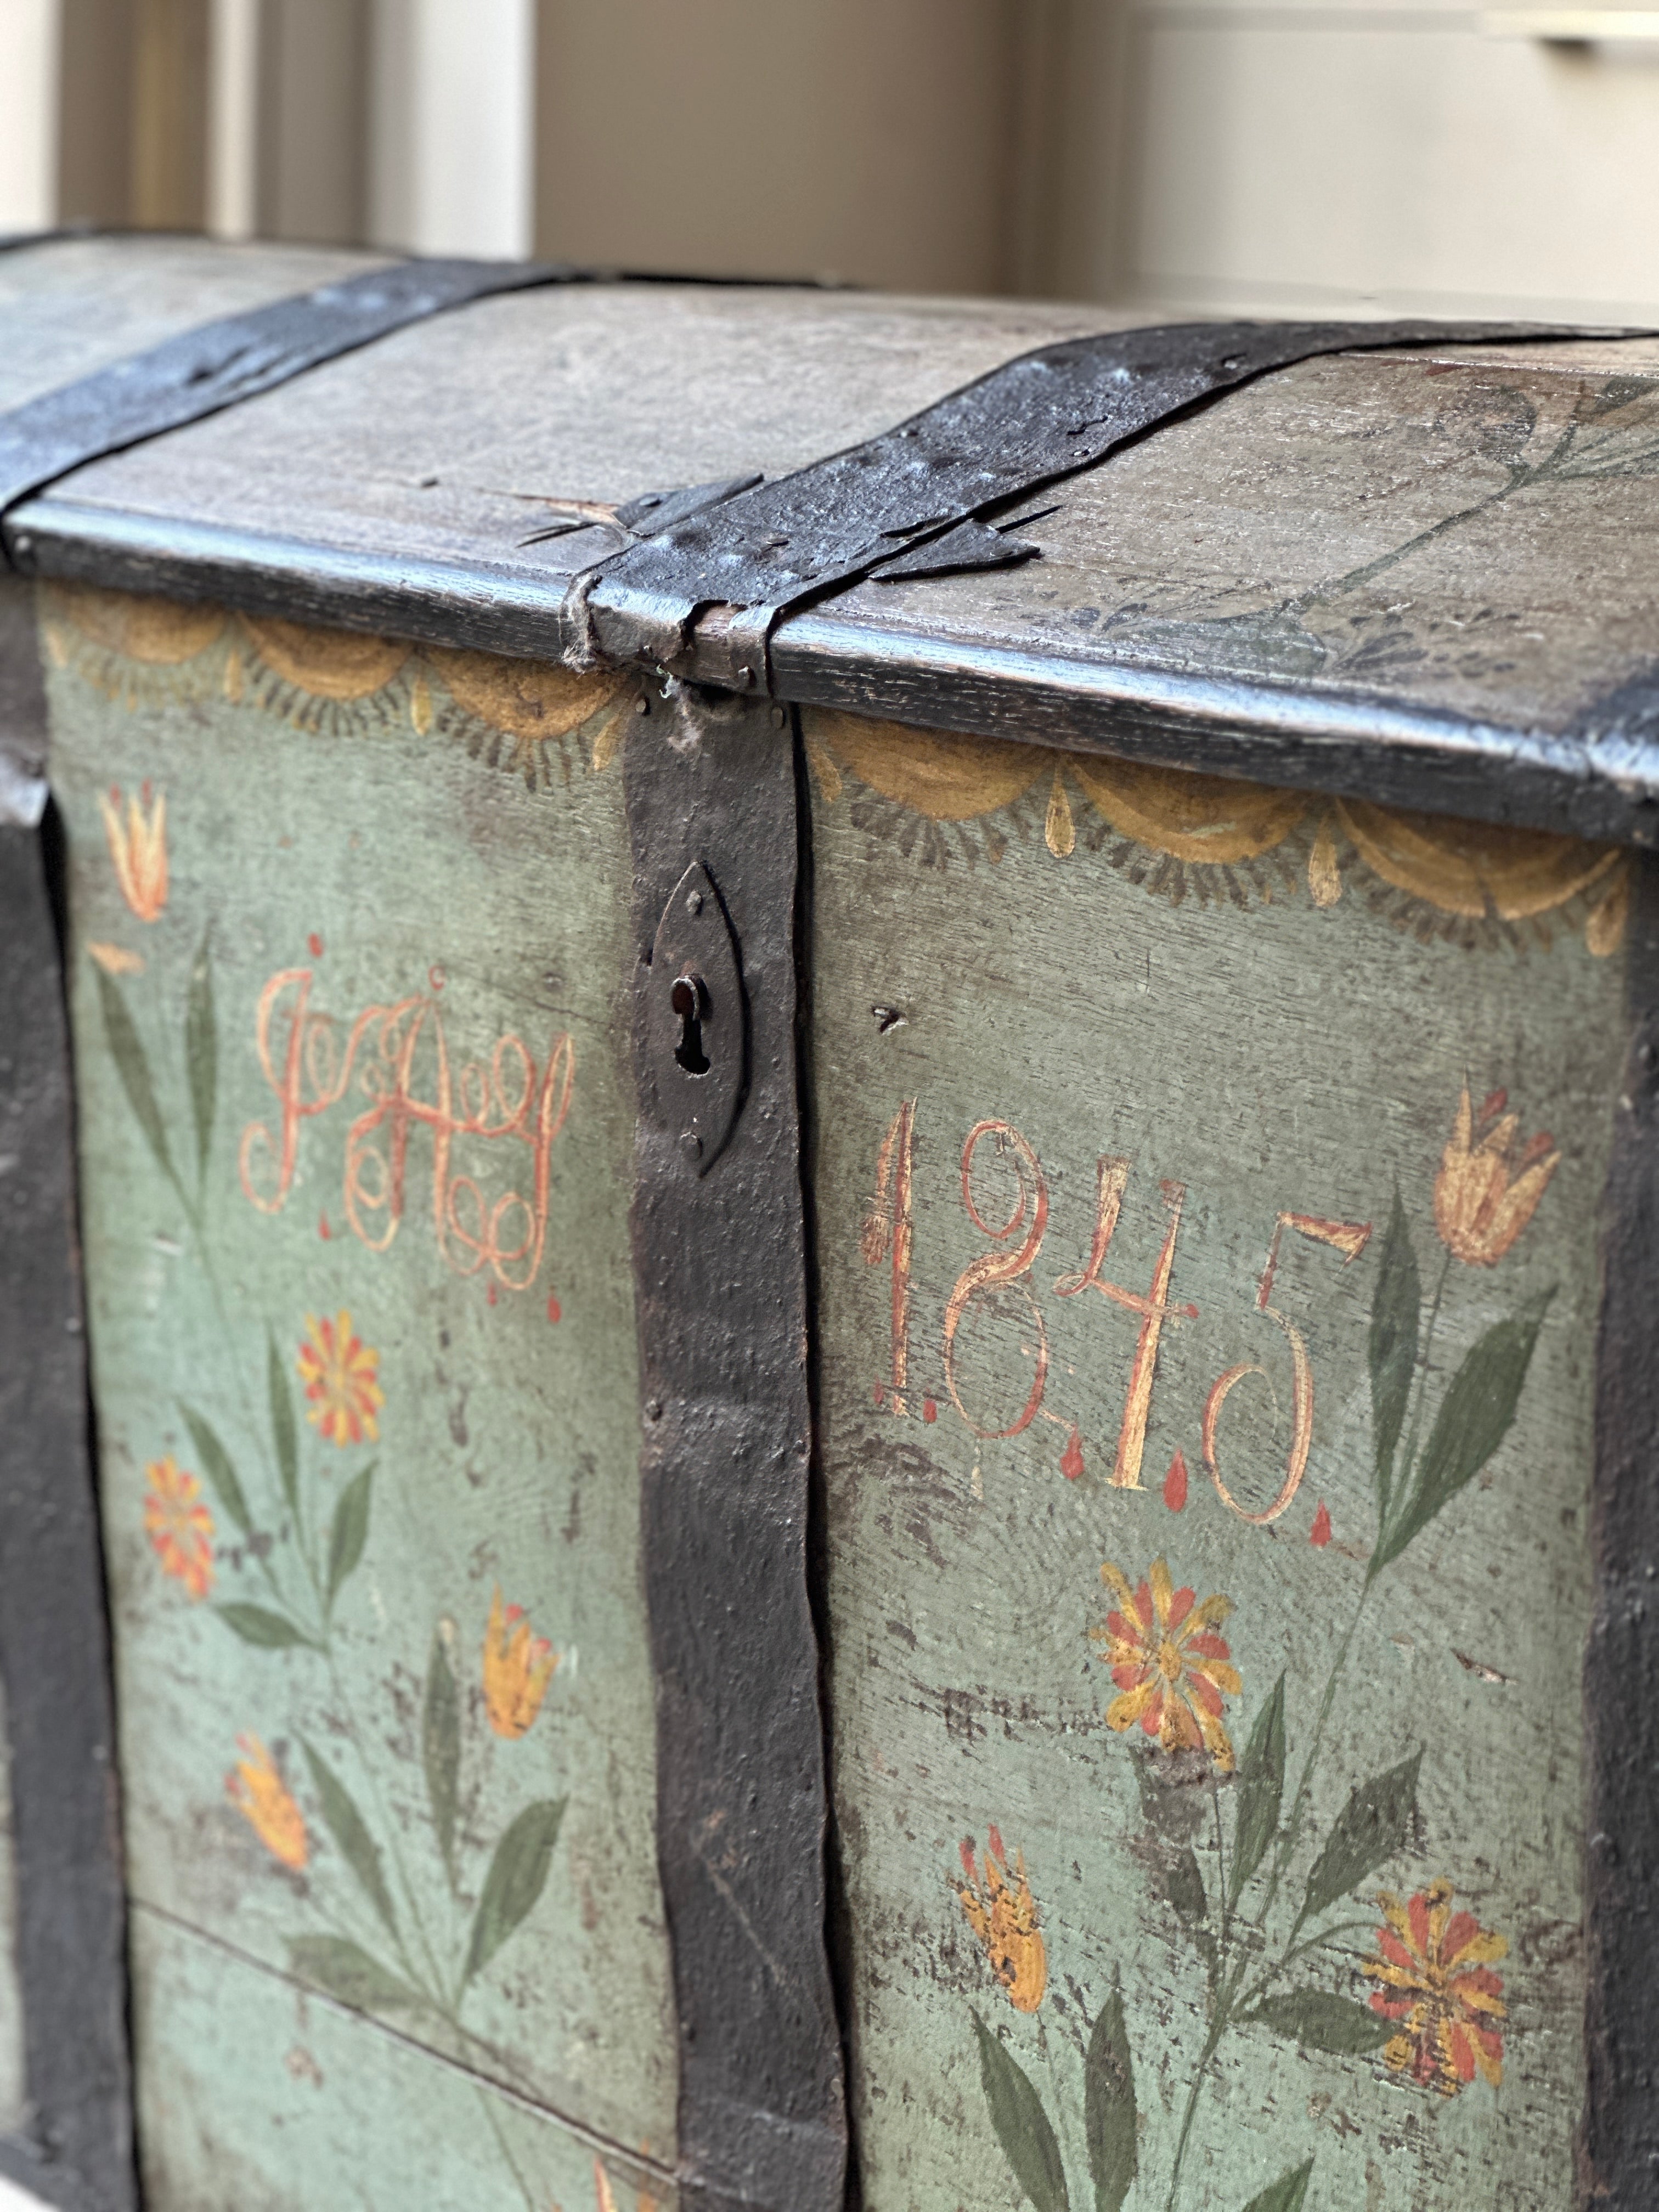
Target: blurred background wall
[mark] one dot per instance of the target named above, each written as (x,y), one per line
(1266,155)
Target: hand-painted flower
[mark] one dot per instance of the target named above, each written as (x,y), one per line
(1170,1667)
(178,1525)
(1434,1968)
(138,846)
(339,1372)
(517,1669)
(266,1802)
(1478,1210)
(1003,1915)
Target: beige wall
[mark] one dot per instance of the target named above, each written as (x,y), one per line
(1229,156)
(873,140)
(1309,155)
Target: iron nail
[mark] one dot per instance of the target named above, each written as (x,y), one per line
(641,705)
(694,901)
(778,718)
(691,1144)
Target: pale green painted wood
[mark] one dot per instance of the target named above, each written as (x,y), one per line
(244,2075)
(374,854)
(1271,1057)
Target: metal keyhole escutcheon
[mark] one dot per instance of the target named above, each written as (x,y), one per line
(697,1021)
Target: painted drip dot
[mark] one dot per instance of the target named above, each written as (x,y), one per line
(1175,1484)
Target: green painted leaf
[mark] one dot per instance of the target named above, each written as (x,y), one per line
(349,1531)
(281,1425)
(441,1749)
(1285,2195)
(1370,1830)
(1109,2107)
(1473,1421)
(350,1831)
(133,1064)
(202,1050)
(1396,1314)
(348,1973)
(1319,2021)
(1183,1885)
(518,1873)
(216,1465)
(1261,1792)
(255,1624)
(1023,2127)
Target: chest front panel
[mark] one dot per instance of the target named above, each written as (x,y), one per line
(348,928)
(1206,1185)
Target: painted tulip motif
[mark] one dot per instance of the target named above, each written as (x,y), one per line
(341,1375)
(1435,1969)
(1483,1197)
(1171,1668)
(265,1801)
(138,849)
(179,1525)
(1003,1915)
(517,1669)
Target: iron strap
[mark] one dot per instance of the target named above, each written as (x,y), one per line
(720,1275)
(199,372)
(918,500)
(75,2146)
(1620,2141)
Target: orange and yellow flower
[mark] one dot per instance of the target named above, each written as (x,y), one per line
(1003,1915)
(138,848)
(265,1801)
(1478,1210)
(179,1525)
(340,1373)
(1435,1967)
(517,1669)
(1171,1668)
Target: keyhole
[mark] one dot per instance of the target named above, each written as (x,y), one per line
(687,999)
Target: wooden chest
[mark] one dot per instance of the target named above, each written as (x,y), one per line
(828,1360)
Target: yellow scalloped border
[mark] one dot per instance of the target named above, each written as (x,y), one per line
(1223,839)
(517,715)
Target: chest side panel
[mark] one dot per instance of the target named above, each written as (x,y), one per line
(347,922)
(1207,1183)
